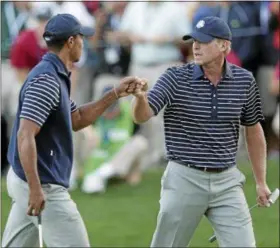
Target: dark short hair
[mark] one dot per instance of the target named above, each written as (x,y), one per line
(57,44)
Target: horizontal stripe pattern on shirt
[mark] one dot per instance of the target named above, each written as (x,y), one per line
(201,121)
(42,96)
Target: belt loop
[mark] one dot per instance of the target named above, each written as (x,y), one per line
(205,169)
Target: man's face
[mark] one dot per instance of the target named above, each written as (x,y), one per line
(205,53)
(76,45)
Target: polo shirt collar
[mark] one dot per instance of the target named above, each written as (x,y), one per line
(198,72)
(59,65)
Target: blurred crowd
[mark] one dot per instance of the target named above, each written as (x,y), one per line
(133,38)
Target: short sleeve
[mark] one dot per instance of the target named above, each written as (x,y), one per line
(73,106)
(163,91)
(40,98)
(252,110)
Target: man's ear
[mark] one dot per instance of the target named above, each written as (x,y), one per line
(70,41)
(223,46)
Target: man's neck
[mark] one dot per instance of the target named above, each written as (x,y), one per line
(66,61)
(214,71)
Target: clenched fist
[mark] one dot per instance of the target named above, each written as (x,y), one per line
(141,91)
(36,202)
(130,85)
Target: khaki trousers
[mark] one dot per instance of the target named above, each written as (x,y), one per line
(188,194)
(61,221)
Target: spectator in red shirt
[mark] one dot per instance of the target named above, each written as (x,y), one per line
(92,6)
(29,46)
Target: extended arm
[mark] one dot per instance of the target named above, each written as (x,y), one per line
(88,113)
(141,109)
(145,104)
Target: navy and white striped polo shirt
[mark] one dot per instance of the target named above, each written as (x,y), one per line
(42,96)
(201,121)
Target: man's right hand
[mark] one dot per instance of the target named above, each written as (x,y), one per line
(139,92)
(128,85)
(36,202)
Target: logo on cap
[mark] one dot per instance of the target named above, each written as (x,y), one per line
(200,24)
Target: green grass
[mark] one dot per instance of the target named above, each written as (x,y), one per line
(126,216)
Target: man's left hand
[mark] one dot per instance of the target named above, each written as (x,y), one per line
(263,193)
(128,86)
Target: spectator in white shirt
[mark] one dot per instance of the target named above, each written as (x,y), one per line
(155,30)
(77,9)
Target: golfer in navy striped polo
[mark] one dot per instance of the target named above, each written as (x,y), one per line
(41,146)
(204,103)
